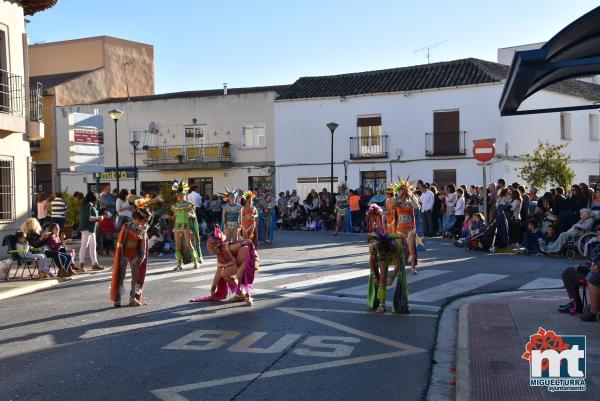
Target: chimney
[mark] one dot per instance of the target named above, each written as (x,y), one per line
(224,88)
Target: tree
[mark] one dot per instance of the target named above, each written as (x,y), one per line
(548,164)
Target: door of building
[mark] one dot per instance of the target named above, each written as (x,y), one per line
(43,178)
(204,184)
(264,182)
(376,180)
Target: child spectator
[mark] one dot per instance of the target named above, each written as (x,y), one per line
(24,252)
(66,256)
(532,238)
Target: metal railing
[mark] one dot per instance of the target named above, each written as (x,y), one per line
(188,154)
(36,102)
(12,94)
(445,143)
(369,147)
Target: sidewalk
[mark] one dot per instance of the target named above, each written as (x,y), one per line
(16,287)
(491,339)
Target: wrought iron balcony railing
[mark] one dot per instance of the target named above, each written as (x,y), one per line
(445,143)
(369,147)
(12,98)
(193,155)
(36,102)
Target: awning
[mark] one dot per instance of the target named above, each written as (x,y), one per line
(573,52)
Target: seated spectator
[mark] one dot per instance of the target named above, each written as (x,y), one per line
(584,225)
(66,256)
(24,252)
(532,238)
(38,240)
(573,277)
(108,233)
(155,243)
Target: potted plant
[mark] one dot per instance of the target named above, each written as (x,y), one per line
(180,158)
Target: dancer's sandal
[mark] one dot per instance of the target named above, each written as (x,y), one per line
(380,308)
(237,298)
(134,302)
(248,299)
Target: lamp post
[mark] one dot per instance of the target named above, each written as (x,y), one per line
(332,126)
(135,143)
(115,115)
(346,163)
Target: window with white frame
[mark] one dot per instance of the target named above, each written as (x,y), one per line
(195,134)
(593,124)
(145,138)
(253,136)
(7,189)
(565,126)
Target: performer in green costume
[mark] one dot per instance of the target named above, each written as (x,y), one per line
(387,250)
(187,238)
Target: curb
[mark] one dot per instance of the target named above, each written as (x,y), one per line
(463,378)
(28,289)
(453,323)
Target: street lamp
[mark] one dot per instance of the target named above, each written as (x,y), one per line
(135,143)
(346,163)
(332,126)
(115,115)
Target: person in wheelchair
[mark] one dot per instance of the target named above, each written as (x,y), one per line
(584,225)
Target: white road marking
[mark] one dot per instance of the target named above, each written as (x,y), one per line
(338,276)
(361,290)
(542,282)
(173,393)
(245,344)
(454,287)
(324,297)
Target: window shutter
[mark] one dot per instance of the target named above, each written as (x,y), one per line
(446,137)
(368,121)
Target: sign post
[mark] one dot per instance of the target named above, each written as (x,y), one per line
(484,150)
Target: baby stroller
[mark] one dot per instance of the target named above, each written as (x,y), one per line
(484,240)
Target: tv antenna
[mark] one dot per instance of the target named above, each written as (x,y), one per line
(427,49)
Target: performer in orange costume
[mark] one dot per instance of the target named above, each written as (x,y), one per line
(406,202)
(390,211)
(249,218)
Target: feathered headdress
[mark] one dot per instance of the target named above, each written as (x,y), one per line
(217,236)
(390,189)
(230,194)
(180,186)
(374,209)
(403,185)
(248,195)
(384,242)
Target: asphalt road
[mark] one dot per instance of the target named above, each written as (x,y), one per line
(309,335)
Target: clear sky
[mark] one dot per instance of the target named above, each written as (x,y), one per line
(199,44)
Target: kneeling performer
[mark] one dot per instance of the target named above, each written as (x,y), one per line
(237,263)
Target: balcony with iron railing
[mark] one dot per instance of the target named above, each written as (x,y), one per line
(12,103)
(36,102)
(369,147)
(445,143)
(181,157)
(12,95)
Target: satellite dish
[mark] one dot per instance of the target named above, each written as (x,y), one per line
(152,127)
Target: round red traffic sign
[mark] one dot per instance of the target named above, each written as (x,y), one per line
(484,150)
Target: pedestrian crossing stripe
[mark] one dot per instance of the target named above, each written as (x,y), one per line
(455,287)
(361,290)
(543,283)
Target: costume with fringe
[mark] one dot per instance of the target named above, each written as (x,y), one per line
(232,220)
(249,219)
(390,212)
(374,219)
(387,249)
(132,250)
(227,268)
(186,221)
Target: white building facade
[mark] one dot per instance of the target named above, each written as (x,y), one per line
(213,138)
(421,122)
(20,115)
